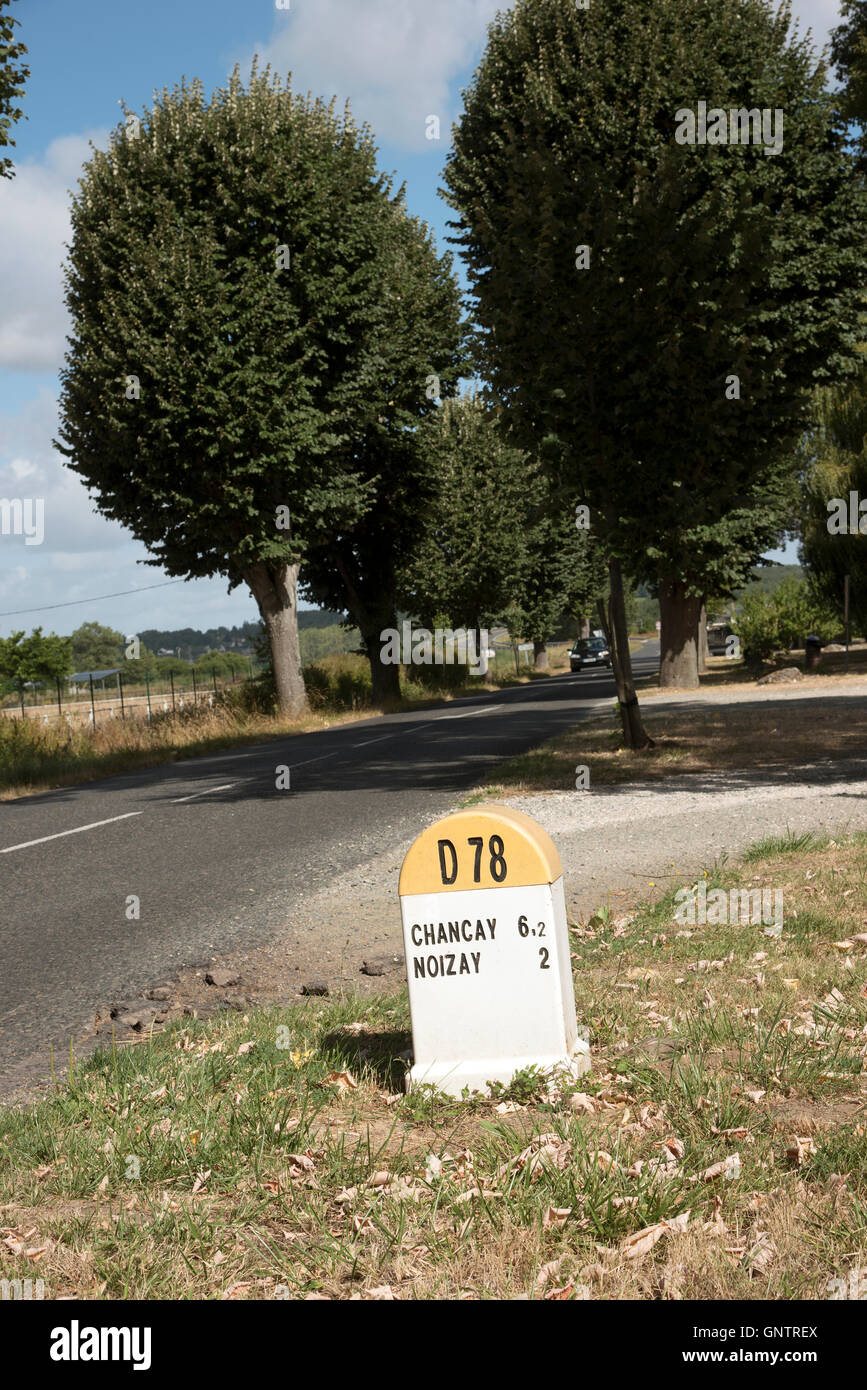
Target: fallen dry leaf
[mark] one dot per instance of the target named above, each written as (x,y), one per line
(636,1246)
(555,1217)
(800,1150)
(548,1272)
(201,1179)
(727,1168)
(343,1080)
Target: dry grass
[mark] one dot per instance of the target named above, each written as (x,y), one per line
(290,1164)
(694,738)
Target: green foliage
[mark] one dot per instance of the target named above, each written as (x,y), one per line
(705,262)
(466,562)
(97,648)
(317,642)
(12,78)
(35,658)
(782,619)
(834,456)
(849,54)
(339,682)
(561,567)
(210,382)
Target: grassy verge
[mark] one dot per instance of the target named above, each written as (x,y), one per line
(694,738)
(35,756)
(717,1150)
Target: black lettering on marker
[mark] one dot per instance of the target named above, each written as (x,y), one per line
(451,969)
(418,967)
(429,935)
(477,956)
(464,927)
(454,931)
(416,940)
(492,926)
(465,965)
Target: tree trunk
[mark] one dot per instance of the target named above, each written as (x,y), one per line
(614,625)
(540,656)
(703,651)
(385,679)
(371,621)
(584,628)
(275,589)
(679,614)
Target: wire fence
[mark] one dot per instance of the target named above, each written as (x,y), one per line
(90,702)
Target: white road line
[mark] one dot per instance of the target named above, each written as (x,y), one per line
(321,759)
(207,792)
(486,709)
(368,741)
(77,831)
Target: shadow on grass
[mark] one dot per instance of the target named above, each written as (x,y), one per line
(383,1056)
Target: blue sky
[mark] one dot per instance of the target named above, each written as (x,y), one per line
(397,61)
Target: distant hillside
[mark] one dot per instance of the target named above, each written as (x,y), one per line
(766,578)
(193,643)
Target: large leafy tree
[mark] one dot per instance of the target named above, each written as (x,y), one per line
(562,570)
(13,75)
(232,289)
(703,263)
(466,563)
(95,647)
(356,567)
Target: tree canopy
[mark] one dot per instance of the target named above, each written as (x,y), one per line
(234,289)
(657,312)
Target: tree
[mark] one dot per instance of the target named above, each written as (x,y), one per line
(467,560)
(561,568)
(12,79)
(34,658)
(231,286)
(356,568)
(781,620)
(834,458)
(96,648)
(849,54)
(656,312)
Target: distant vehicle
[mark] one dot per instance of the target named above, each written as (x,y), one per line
(717,637)
(589,651)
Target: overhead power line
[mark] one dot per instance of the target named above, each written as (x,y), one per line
(122,593)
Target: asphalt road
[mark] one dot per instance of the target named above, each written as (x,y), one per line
(217,856)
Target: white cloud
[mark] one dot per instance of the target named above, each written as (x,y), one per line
(820,16)
(396,60)
(34,224)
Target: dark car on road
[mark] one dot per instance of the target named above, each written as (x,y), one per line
(589,651)
(717,639)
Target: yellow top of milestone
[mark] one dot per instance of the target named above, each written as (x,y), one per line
(481,847)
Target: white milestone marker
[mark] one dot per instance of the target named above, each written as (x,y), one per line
(487,952)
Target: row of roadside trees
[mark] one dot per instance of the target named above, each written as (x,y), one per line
(266,352)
